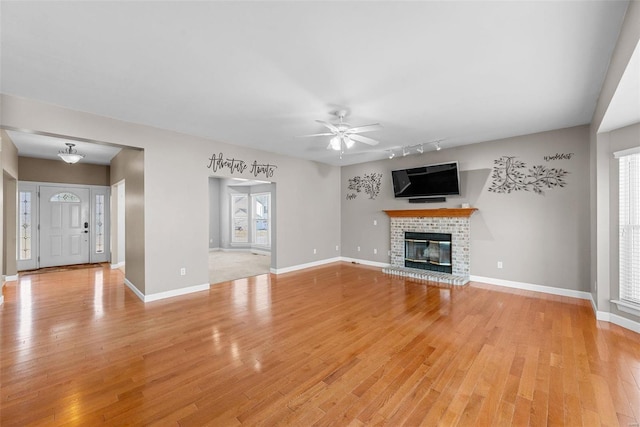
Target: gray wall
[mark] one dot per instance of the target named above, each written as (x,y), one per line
(214,213)
(8,200)
(44,170)
(600,222)
(176,189)
(128,165)
(541,239)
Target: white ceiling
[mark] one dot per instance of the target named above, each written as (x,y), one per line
(259,74)
(624,108)
(48,147)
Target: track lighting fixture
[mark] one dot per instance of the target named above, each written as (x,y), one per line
(416,149)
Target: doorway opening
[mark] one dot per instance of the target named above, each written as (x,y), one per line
(241,228)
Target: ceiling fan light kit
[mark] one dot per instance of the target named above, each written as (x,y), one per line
(344,136)
(70,155)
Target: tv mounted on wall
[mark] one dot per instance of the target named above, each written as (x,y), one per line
(440,179)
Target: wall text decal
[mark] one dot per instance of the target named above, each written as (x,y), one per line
(369,183)
(559,156)
(218,162)
(508,176)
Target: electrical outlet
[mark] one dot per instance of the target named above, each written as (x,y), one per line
(358,248)
(375,251)
(183,271)
(375,222)
(337,248)
(499,264)
(315,251)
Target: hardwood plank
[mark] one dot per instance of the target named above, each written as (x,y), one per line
(340,344)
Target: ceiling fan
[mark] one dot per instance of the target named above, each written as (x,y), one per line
(344,136)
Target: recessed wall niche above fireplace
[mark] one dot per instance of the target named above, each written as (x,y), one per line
(431,244)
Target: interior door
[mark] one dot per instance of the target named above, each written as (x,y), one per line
(64,226)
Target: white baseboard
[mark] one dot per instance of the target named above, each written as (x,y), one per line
(257,251)
(531,287)
(10,278)
(1,299)
(176,292)
(167,294)
(214,249)
(365,262)
(134,289)
(117,265)
(328,261)
(303,266)
(618,320)
(600,315)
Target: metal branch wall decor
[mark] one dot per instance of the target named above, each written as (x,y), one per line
(369,183)
(510,175)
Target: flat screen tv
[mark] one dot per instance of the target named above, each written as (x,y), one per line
(440,179)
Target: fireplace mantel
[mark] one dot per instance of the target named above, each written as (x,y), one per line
(431,213)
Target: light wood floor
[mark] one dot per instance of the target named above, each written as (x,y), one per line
(334,345)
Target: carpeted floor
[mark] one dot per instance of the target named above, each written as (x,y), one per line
(224,266)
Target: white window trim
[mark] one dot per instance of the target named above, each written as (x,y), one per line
(232,240)
(627,307)
(627,152)
(254,219)
(624,305)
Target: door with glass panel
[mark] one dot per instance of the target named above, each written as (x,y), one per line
(62,225)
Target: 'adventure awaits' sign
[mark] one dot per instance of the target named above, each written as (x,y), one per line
(219,162)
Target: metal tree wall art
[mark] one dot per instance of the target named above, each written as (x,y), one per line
(369,183)
(509,175)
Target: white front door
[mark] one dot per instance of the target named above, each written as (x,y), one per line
(64,226)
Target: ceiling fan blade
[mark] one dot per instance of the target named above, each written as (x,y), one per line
(315,134)
(330,126)
(363,139)
(365,128)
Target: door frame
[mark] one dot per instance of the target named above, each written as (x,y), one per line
(94,190)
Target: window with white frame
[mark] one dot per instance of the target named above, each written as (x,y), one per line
(25,225)
(240,218)
(261,204)
(630,227)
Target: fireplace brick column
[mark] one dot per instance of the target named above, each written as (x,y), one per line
(453,221)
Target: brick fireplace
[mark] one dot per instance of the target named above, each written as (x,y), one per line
(455,222)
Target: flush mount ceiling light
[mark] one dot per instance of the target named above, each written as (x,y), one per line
(70,155)
(438,147)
